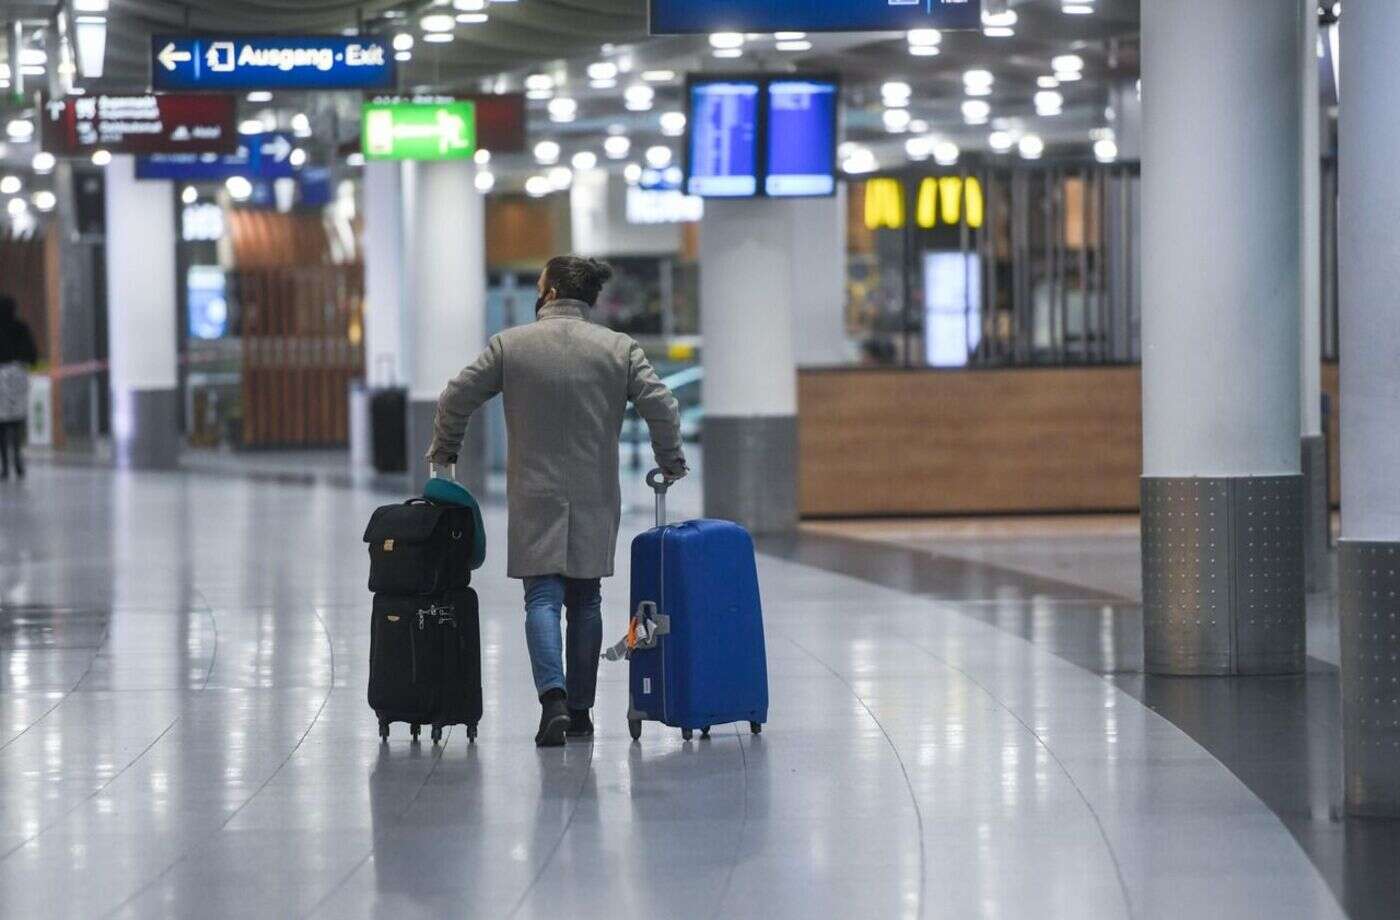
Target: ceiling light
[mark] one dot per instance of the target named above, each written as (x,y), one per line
(402,42)
(17,206)
(297,158)
(563,109)
(19,129)
(537,186)
(924,38)
(301,125)
(727,40)
(10,185)
(798,45)
(999,25)
(1106,150)
(1001,141)
(250,126)
(403,55)
(437,22)
(1077,9)
(923,50)
(560,178)
(90,40)
(1071,63)
(485,181)
(729,52)
(896,120)
(1031,147)
(45,200)
(895,94)
(919,148)
(617,147)
(239,188)
(860,160)
(539,82)
(471,19)
(602,84)
(101,158)
(658,157)
(945,153)
(261,95)
(1048,102)
(603,70)
(355,159)
(638,97)
(189,194)
(918,126)
(632,172)
(658,76)
(584,160)
(33,57)
(481,157)
(1047,82)
(89,6)
(976,111)
(43,162)
(469,6)
(1068,76)
(438,38)
(547,152)
(789,36)
(673,123)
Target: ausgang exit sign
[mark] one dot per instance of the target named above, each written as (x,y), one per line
(418,131)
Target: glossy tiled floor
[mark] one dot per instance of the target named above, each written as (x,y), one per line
(183,733)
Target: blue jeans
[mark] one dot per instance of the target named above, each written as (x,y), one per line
(544,597)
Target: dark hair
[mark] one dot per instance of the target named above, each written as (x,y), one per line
(573,278)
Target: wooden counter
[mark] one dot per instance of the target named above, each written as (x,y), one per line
(926,442)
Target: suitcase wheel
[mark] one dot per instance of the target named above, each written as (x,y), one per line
(383,730)
(687,734)
(756,727)
(705,732)
(471,733)
(634,727)
(437,733)
(415,730)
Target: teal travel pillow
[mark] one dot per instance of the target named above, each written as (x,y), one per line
(447,492)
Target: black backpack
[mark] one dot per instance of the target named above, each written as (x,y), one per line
(420,547)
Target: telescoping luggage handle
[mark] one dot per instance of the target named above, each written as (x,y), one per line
(659,484)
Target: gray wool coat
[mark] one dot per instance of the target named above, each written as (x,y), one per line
(566,384)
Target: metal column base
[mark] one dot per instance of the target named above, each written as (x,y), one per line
(471,457)
(750,471)
(1368,599)
(1222,575)
(146,429)
(1317,516)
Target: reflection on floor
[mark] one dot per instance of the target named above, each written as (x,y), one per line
(183,733)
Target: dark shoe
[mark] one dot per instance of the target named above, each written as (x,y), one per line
(554,719)
(580,725)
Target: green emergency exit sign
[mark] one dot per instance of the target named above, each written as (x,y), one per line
(418,131)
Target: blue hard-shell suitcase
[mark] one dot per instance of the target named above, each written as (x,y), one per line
(699,659)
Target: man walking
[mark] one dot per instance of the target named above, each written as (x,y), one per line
(566,383)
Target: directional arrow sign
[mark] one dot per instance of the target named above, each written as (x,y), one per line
(258,157)
(419,131)
(242,62)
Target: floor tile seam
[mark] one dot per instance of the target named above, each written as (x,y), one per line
(92,795)
(270,777)
(92,660)
(559,840)
(739,836)
(438,752)
(1098,822)
(899,759)
(214,625)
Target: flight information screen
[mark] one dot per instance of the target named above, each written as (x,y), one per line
(723,147)
(681,16)
(801,138)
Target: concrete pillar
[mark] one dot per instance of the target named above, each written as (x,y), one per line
(445,258)
(1317,509)
(386,335)
(1368,562)
(819,282)
(748,256)
(141,318)
(1222,490)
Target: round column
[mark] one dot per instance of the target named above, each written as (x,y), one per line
(445,255)
(1369,552)
(141,318)
(1222,496)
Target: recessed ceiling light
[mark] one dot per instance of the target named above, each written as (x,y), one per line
(658,76)
(438,38)
(471,19)
(437,22)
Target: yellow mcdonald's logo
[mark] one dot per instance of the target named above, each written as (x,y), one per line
(942,200)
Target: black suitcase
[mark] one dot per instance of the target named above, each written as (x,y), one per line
(425,662)
(388,413)
(420,548)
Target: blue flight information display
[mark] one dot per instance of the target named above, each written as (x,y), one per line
(232,62)
(722,154)
(673,17)
(801,138)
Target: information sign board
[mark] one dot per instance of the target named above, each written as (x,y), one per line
(142,123)
(418,131)
(243,62)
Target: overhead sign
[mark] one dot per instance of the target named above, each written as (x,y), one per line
(234,62)
(418,131)
(670,17)
(144,123)
(500,117)
(258,156)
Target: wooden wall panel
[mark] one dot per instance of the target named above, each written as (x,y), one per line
(896,442)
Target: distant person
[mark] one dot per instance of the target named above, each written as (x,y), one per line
(566,383)
(17,356)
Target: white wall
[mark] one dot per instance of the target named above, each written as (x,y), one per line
(141,301)
(598,219)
